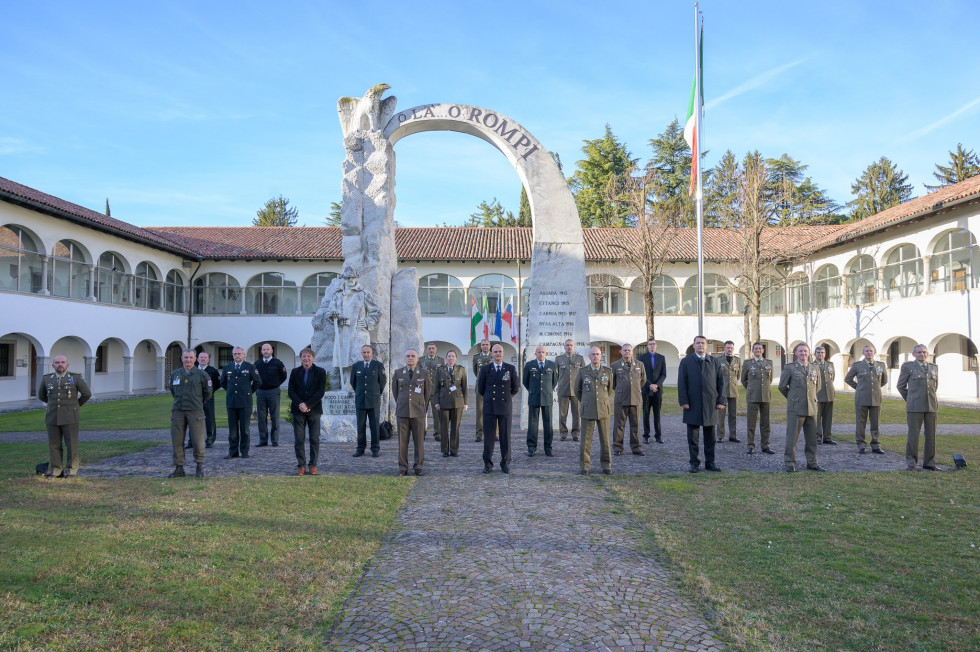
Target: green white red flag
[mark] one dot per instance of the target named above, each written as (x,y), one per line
(694,112)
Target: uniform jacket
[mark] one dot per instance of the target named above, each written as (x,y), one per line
(594,390)
(239,385)
(64,396)
(411,395)
(498,389)
(732,372)
(866,379)
(368,380)
(568,367)
(431,364)
(215,377)
(628,383)
(310,393)
(700,386)
(917,385)
(655,367)
(826,393)
(272,373)
(479,360)
(540,384)
(757,380)
(799,383)
(190,389)
(450,387)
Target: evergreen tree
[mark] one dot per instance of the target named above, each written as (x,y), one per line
(881,186)
(334,219)
(672,163)
(798,197)
(963,164)
(493,214)
(524,212)
(276,212)
(108,213)
(602,176)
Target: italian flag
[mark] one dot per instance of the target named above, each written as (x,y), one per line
(693,111)
(475,319)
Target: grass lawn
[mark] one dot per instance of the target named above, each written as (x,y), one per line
(835,561)
(236,563)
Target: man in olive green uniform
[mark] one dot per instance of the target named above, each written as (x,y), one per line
(799,383)
(594,390)
(731,370)
(411,387)
(191,388)
(867,377)
(756,378)
(917,383)
(825,397)
(568,365)
(430,362)
(480,360)
(450,399)
(64,392)
(629,376)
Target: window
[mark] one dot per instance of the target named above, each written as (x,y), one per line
(224,356)
(955,263)
(146,290)
(606,295)
(7,353)
(798,288)
(174,292)
(861,277)
(270,293)
(102,359)
(771,302)
(111,280)
(903,272)
(68,274)
(827,287)
(666,298)
(217,294)
(893,355)
(717,295)
(313,290)
(20,263)
(442,294)
(498,291)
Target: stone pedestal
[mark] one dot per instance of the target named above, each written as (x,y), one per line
(339,420)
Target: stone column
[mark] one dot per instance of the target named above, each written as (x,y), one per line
(161,291)
(299,303)
(91,283)
(127,374)
(161,373)
(927,274)
(241,293)
(131,294)
(44,276)
(90,371)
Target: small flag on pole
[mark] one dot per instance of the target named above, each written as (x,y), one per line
(486,324)
(475,319)
(694,113)
(511,321)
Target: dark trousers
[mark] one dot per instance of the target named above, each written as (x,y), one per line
(652,402)
(191,422)
(624,413)
(496,426)
(414,428)
(825,420)
(544,412)
(731,411)
(303,422)
(709,444)
(56,454)
(267,406)
(365,416)
(210,426)
(449,425)
(238,419)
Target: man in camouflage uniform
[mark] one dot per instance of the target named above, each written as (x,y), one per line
(64,392)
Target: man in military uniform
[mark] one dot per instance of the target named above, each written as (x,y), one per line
(825,397)
(411,387)
(731,369)
(430,363)
(867,377)
(272,371)
(568,365)
(211,428)
(239,379)
(64,392)
(539,379)
(498,382)
(594,391)
(917,383)
(757,380)
(307,384)
(368,379)
(655,367)
(800,383)
(700,392)
(450,391)
(480,360)
(191,388)
(629,378)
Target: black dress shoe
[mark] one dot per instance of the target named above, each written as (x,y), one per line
(453,453)
(877,451)
(419,473)
(639,453)
(815,467)
(574,438)
(789,468)
(375,453)
(930,468)
(260,445)
(549,454)
(619,452)
(830,441)
(607,471)
(208,445)
(646,439)
(862,450)
(530,453)
(245,455)
(445,454)
(660,440)
(749,450)
(720,439)
(504,467)
(583,473)
(735,439)
(694,468)
(479,439)
(401,473)
(275,444)
(357,454)
(768,451)
(487,468)
(189,445)
(231,455)
(712,467)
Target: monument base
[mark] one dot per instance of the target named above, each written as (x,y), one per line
(339,421)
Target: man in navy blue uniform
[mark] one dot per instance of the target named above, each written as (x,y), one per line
(655,366)
(700,389)
(307,383)
(498,382)
(368,379)
(239,379)
(540,378)
(273,374)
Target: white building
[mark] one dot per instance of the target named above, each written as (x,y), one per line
(122,301)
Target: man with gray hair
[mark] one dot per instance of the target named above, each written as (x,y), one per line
(239,379)
(191,389)
(917,383)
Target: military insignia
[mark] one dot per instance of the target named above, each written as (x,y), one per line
(209,382)
(506,376)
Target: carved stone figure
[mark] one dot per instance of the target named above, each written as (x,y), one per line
(351,313)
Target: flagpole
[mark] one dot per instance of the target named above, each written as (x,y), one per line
(699,199)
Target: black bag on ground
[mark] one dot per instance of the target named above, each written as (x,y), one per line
(385,430)
(41,468)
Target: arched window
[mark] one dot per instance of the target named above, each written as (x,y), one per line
(442,294)
(718,295)
(217,294)
(771,302)
(146,293)
(606,295)
(67,272)
(498,290)
(270,293)
(798,289)
(20,262)
(955,262)
(111,280)
(903,272)
(174,292)
(861,277)
(313,290)
(666,298)
(826,285)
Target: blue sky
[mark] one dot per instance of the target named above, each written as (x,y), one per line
(196,113)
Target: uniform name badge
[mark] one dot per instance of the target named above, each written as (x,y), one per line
(176,381)
(452,388)
(418,389)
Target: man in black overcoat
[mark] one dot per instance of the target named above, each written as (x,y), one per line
(700,389)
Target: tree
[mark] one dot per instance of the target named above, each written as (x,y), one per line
(800,198)
(881,186)
(524,212)
(963,164)
(108,213)
(334,219)
(494,215)
(672,161)
(276,212)
(600,179)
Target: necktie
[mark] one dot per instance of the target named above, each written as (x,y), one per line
(306,377)
(541,366)
(498,368)
(411,372)
(238,367)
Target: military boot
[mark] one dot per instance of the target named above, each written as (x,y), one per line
(178,472)
(200,470)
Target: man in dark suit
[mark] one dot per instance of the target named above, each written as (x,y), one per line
(273,374)
(655,366)
(307,383)
(498,382)
(368,379)
(540,378)
(700,389)
(239,379)
(210,427)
